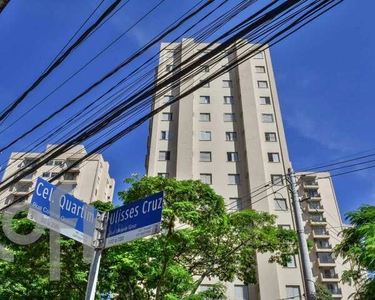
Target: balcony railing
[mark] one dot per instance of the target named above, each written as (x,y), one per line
(330,276)
(318,219)
(321,232)
(323,246)
(311,183)
(313,195)
(21,189)
(336,291)
(326,260)
(316,206)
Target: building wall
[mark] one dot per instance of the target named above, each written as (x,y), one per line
(252,166)
(324,232)
(89,181)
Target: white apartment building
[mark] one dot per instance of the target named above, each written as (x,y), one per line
(89,181)
(230,135)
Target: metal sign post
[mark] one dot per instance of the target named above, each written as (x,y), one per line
(98,244)
(61,212)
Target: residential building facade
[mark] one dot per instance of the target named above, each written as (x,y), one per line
(89,181)
(229,134)
(322,226)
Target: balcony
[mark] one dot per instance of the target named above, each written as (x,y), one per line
(313,196)
(326,262)
(27,178)
(69,178)
(319,247)
(21,190)
(320,234)
(318,221)
(336,293)
(69,163)
(327,277)
(315,207)
(310,184)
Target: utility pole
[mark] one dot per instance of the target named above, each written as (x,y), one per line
(98,243)
(307,274)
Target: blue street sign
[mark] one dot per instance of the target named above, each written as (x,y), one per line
(134,220)
(61,212)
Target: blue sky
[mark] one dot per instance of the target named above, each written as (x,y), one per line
(324,75)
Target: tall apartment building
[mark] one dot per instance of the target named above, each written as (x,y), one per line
(230,135)
(89,181)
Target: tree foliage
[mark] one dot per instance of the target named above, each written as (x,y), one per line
(322,293)
(358,250)
(199,240)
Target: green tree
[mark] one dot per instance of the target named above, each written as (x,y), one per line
(358,250)
(199,240)
(322,293)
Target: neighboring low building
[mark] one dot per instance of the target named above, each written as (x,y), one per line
(89,181)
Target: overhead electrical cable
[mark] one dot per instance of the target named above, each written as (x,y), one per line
(168,80)
(109,74)
(66,53)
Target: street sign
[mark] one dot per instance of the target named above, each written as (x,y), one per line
(135,220)
(55,209)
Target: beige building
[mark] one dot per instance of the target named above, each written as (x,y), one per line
(322,227)
(89,181)
(230,135)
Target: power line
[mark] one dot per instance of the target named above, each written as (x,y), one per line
(167,81)
(66,53)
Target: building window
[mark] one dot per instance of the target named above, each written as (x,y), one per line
(164,155)
(169,68)
(171,53)
(265,100)
(259,55)
(55,163)
(280,204)
(277,179)
(270,137)
(166,175)
(273,157)
(262,84)
(267,118)
(231,136)
(70,176)
(206,85)
(229,117)
(166,135)
(232,156)
(260,69)
(227,83)
(241,292)
(204,287)
(228,100)
(292,262)
(205,69)
(235,204)
(205,136)
(166,116)
(46,174)
(206,178)
(167,98)
(234,178)
(205,156)
(71,162)
(204,117)
(285,227)
(204,99)
(293,292)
